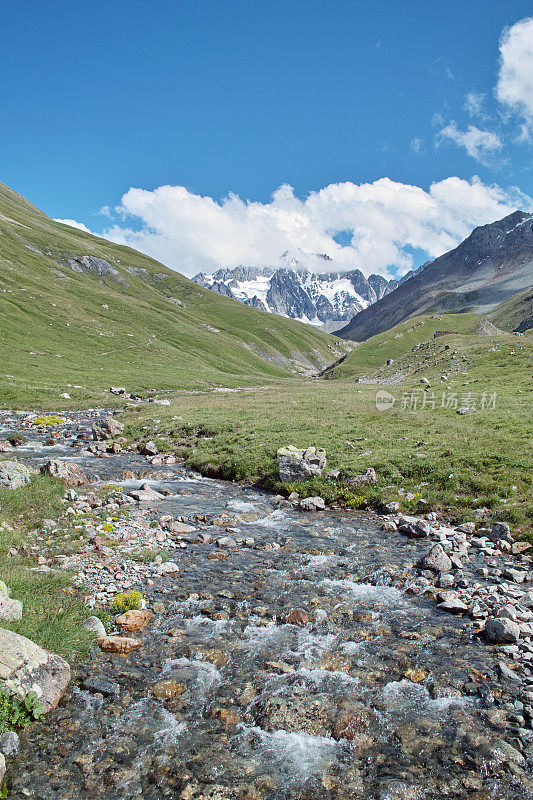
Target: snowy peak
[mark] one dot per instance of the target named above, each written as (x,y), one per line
(295,290)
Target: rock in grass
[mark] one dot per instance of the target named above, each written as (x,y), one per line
(95,625)
(298,464)
(118,644)
(148,449)
(14,475)
(67,471)
(499,630)
(10,610)
(25,667)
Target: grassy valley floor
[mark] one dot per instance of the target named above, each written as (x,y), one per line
(420,445)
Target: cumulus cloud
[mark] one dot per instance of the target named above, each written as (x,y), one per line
(74,224)
(514,89)
(479,144)
(387,220)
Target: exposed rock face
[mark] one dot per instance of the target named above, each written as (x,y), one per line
(14,475)
(92,265)
(297,464)
(67,471)
(294,289)
(26,667)
(491,265)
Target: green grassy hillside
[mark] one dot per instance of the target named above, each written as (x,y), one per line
(515,313)
(138,324)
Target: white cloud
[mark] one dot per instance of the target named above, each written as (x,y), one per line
(515,80)
(479,144)
(191,233)
(474,104)
(417,145)
(74,224)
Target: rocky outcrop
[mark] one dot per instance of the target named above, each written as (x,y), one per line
(14,475)
(297,464)
(26,667)
(67,471)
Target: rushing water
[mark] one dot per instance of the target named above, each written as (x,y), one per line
(267,709)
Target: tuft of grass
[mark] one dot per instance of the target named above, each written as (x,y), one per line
(52,613)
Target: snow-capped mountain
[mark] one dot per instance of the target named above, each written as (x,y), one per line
(294,290)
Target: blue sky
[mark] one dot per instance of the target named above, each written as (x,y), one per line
(244,96)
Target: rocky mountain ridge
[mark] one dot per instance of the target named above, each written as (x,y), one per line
(293,290)
(490,266)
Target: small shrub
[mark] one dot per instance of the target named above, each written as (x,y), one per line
(45,421)
(16,713)
(126,601)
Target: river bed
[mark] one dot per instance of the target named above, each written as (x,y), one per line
(375,695)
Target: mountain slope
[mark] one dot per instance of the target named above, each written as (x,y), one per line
(79,311)
(293,290)
(491,265)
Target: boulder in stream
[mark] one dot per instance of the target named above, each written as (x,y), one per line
(67,471)
(26,667)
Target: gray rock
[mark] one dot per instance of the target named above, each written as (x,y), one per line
(148,448)
(466,410)
(368,477)
(108,428)
(102,686)
(297,464)
(145,494)
(67,471)
(453,606)
(527,599)
(501,631)
(390,508)
(226,541)
(2,768)
(14,475)
(10,610)
(436,560)
(25,667)
(507,673)
(414,528)
(466,527)
(312,504)
(9,743)
(500,531)
(95,625)
(508,754)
